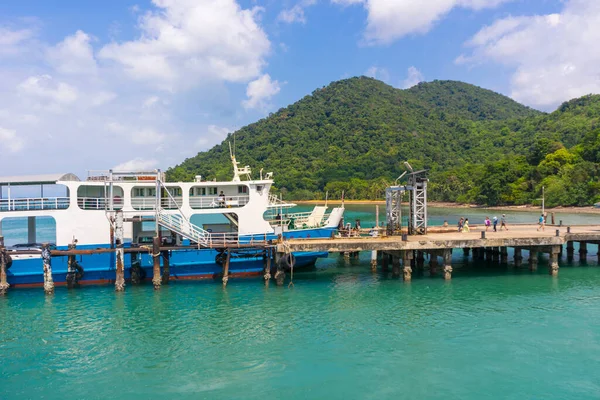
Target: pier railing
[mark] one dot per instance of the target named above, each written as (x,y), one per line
(29,204)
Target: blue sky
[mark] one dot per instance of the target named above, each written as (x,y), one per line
(145,84)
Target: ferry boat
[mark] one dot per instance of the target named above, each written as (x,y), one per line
(188,213)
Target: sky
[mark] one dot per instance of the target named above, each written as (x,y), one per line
(145,84)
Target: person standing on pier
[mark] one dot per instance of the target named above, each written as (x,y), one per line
(460,224)
(503,222)
(495,223)
(488,223)
(465,227)
(541,223)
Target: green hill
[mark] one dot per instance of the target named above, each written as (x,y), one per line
(469,101)
(354,134)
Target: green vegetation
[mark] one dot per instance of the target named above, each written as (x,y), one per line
(480,147)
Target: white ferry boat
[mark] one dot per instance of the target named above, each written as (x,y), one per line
(195,213)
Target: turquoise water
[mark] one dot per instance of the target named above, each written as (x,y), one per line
(342,332)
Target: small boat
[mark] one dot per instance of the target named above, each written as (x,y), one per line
(81,211)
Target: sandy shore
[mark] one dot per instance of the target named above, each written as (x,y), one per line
(527,208)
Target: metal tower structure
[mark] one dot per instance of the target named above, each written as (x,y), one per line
(416,187)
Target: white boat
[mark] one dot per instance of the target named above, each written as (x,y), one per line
(199,212)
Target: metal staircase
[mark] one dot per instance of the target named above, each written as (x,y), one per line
(182,226)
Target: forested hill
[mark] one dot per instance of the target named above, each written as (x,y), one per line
(354,134)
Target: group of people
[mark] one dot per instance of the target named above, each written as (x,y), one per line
(463,223)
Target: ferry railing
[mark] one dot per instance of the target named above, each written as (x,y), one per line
(32,204)
(149,203)
(199,202)
(98,203)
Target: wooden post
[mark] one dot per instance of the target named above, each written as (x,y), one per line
(407,257)
(503,255)
(156,278)
(447,264)
(166,275)
(552,216)
(377,217)
(3,261)
(71,277)
(226,268)
(533,259)
(518,257)
(395,266)
(112,232)
(119,253)
(553,270)
(267,267)
(47,261)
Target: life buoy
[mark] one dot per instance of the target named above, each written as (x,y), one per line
(288,261)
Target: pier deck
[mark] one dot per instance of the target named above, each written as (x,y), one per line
(516,236)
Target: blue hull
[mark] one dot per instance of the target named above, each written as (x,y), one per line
(184,264)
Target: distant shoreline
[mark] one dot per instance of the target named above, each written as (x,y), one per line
(525,208)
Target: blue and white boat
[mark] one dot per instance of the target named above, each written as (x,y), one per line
(195,212)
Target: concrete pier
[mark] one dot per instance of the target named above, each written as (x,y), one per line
(448,264)
(47,265)
(120,264)
(553,269)
(533,259)
(518,257)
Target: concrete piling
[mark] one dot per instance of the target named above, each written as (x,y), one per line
(582,251)
(395,266)
(47,263)
(407,258)
(225,278)
(553,270)
(3,266)
(503,255)
(448,264)
(466,251)
(433,263)
(280,273)
(385,263)
(166,274)
(119,254)
(518,257)
(533,259)
(156,277)
(374,260)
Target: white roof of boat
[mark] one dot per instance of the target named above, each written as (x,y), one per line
(37,179)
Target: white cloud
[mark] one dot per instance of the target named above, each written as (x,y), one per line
(12,41)
(74,55)
(188,41)
(378,73)
(46,88)
(151,101)
(10,139)
(147,136)
(552,55)
(102,98)
(137,164)
(414,77)
(389,20)
(296,13)
(260,91)
(214,134)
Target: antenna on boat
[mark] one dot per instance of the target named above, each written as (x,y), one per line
(342,198)
(326,196)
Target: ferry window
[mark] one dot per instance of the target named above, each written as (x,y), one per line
(138,192)
(175,192)
(151,192)
(259,188)
(242,189)
(199,191)
(212,190)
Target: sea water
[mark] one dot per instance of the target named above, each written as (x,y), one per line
(340,332)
